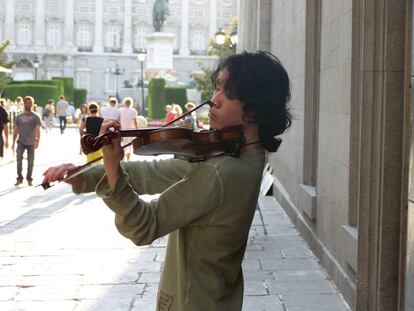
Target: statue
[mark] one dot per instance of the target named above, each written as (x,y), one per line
(159,14)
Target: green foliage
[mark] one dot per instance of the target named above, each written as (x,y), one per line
(155,102)
(68,87)
(57,83)
(177,95)
(203,80)
(79,97)
(4,80)
(40,93)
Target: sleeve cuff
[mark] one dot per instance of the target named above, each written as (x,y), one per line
(105,192)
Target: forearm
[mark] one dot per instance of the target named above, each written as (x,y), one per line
(37,133)
(6,132)
(15,134)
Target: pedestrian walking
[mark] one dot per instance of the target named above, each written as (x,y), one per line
(27,130)
(111,112)
(206,208)
(91,124)
(48,115)
(4,119)
(83,112)
(62,112)
(128,121)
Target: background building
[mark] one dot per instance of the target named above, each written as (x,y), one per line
(342,171)
(87,39)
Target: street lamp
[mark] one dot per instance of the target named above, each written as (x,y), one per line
(234,38)
(142,55)
(220,36)
(36,66)
(117,72)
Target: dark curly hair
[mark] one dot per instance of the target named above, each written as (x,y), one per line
(260,82)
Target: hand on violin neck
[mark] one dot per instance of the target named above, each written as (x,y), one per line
(112,152)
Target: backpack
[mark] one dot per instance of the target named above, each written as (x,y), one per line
(46,113)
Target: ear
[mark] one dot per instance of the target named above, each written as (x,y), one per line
(249,117)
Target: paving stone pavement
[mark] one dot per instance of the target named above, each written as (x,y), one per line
(62,252)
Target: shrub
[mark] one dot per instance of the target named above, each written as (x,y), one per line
(68,87)
(79,97)
(58,83)
(40,93)
(156,102)
(177,95)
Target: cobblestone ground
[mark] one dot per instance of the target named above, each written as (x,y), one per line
(62,252)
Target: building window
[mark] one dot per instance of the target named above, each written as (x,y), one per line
(24,33)
(199,2)
(54,8)
(113,37)
(54,35)
(140,38)
(25,7)
(227,2)
(83,36)
(198,13)
(82,81)
(198,43)
(84,8)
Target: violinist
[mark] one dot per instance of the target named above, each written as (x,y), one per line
(207,207)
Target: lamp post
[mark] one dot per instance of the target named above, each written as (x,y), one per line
(220,36)
(117,72)
(234,38)
(35,66)
(142,55)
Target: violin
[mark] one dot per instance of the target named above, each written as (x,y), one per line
(183,143)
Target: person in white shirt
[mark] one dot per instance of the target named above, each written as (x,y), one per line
(62,111)
(111,112)
(128,121)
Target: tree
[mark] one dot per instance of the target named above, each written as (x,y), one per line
(203,79)
(4,78)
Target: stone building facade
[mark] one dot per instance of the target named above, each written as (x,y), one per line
(87,39)
(342,170)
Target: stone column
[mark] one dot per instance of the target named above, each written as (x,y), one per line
(9,30)
(184,49)
(98,47)
(212,23)
(39,24)
(126,45)
(68,24)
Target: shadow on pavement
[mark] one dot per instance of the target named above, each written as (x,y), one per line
(34,215)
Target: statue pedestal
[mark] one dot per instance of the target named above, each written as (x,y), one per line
(160,54)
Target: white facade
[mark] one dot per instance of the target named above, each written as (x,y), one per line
(86,39)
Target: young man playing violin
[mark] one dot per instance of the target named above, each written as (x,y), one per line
(206,208)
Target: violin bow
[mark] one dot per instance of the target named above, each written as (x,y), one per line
(83,168)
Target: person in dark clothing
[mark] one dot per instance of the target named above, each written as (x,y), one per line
(91,124)
(4,119)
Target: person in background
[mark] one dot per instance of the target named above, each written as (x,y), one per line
(62,112)
(190,121)
(48,115)
(169,115)
(27,129)
(4,119)
(207,223)
(91,124)
(83,112)
(111,112)
(128,121)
